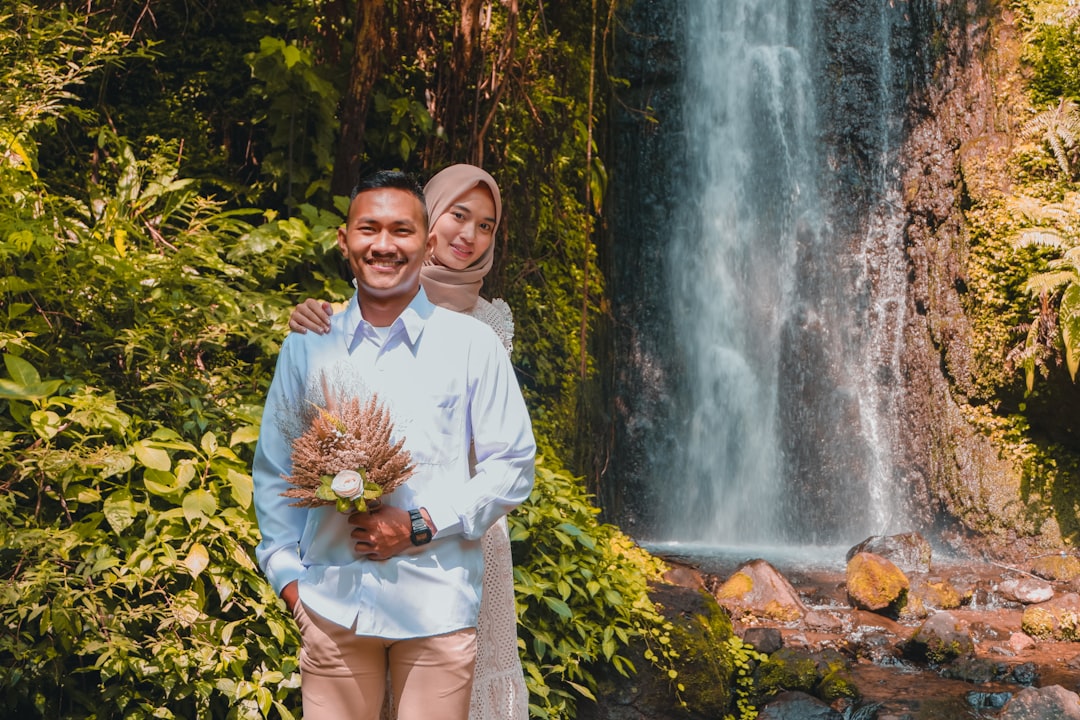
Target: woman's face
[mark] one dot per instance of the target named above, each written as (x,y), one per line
(465,231)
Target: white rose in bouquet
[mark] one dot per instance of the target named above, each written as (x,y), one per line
(348,484)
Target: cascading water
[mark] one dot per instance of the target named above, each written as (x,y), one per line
(786,308)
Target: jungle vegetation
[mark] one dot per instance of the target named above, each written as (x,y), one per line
(1023,282)
(173,174)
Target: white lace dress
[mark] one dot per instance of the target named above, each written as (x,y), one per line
(499,691)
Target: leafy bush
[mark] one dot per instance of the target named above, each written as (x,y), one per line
(129,589)
(582,590)
(140,322)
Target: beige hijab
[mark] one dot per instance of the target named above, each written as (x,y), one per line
(457,289)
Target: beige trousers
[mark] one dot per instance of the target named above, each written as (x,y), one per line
(343,675)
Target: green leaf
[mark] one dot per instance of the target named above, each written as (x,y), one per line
(1069,315)
(119,510)
(246,434)
(152,457)
(558,607)
(160,482)
(21,372)
(585,692)
(46,423)
(242,488)
(265,700)
(197,559)
(25,382)
(291,54)
(209,443)
(198,505)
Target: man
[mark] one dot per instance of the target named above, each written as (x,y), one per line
(396,589)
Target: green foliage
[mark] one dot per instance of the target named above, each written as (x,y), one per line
(136,350)
(551,272)
(1051,225)
(128,586)
(148,288)
(1047,209)
(582,590)
(1051,46)
(300,105)
(997,303)
(1058,127)
(400,121)
(143,305)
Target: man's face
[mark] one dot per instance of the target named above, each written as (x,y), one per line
(385,242)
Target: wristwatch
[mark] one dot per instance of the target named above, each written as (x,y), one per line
(421,532)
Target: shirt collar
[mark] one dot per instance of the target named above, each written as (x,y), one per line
(411,320)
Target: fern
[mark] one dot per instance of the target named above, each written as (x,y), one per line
(1058,127)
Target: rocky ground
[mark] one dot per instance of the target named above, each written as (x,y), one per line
(942,639)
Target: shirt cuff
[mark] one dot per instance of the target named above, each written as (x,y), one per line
(446,521)
(282,568)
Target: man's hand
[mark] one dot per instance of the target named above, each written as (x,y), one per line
(290,594)
(383,532)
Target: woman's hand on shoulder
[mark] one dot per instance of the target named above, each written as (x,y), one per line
(311,315)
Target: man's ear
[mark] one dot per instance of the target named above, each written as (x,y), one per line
(341,236)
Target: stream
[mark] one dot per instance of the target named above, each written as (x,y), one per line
(906,690)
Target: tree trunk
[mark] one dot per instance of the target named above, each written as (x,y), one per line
(367,63)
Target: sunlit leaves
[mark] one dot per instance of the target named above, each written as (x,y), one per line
(25,383)
(584,591)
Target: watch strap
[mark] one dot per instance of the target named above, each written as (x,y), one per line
(421,531)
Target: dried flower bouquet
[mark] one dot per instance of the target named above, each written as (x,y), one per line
(345,456)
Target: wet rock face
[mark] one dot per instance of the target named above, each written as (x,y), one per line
(1059,568)
(638,356)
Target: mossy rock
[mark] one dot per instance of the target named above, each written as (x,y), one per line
(735,587)
(787,669)
(824,675)
(1057,568)
(1050,623)
(706,664)
(778,611)
(1038,623)
(837,684)
(876,584)
(941,639)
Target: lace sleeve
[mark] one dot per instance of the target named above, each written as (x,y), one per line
(497,315)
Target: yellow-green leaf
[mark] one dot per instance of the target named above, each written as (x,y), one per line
(242,488)
(197,559)
(119,510)
(152,457)
(209,443)
(246,434)
(198,505)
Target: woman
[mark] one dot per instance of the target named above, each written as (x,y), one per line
(464,207)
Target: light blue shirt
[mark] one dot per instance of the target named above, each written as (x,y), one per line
(448,382)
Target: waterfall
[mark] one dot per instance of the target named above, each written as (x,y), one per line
(785,280)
